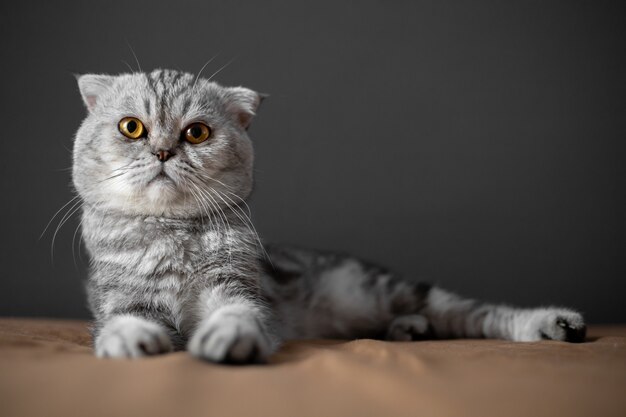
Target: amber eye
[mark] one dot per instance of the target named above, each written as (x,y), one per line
(131,127)
(196,133)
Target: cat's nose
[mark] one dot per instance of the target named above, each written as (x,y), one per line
(163,155)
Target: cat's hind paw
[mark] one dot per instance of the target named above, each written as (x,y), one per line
(555,324)
(131,337)
(409,327)
(231,338)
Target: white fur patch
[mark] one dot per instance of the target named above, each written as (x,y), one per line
(230,334)
(131,337)
(536,324)
(341,286)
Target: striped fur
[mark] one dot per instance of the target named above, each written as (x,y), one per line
(176,263)
(318,294)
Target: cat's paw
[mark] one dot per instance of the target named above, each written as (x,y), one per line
(231,337)
(131,337)
(553,324)
(409,327)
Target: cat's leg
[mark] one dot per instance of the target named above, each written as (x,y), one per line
(409,327)
(130,336)
(126,325)
(453,316)
(234,326)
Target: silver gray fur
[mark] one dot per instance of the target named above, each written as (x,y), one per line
(176,263)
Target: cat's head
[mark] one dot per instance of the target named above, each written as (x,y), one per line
(163,143)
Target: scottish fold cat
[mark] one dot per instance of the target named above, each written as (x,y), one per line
(163,165)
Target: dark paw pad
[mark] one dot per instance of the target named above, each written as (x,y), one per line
(574,333)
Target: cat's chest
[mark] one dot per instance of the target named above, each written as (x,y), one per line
(151,246)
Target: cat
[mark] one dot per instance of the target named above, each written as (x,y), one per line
(163,164)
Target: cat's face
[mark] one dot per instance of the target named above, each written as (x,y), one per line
(163,144)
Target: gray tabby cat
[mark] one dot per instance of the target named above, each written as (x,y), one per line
(163,164)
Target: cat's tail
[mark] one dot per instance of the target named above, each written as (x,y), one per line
(451,316)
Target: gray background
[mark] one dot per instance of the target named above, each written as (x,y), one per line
(478,145)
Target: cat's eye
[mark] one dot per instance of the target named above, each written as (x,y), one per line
(196,133)
(131,127)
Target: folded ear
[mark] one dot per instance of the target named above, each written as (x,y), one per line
(92,86)
(244,103)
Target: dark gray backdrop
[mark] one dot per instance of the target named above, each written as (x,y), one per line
(479,145)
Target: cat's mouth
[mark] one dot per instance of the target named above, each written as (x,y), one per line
(160,177)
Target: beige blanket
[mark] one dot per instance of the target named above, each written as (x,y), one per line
(47,369)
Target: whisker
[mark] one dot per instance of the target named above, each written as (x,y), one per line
(75,207)
(248,222)
(202,69)
(111,177)
(223,219)
(128,65)
(74,239)
(228,188)
(134,55)
(223,216)
(56,214)
(203,209)
(211,208)
(216,207)
(221,68)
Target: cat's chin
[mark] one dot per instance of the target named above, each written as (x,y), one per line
(157,208)
(160,198)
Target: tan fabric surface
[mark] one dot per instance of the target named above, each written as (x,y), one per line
(47,369)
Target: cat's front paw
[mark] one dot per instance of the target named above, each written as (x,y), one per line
(554,324)
(231,337)
(131,337)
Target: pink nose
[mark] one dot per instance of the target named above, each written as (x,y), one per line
(163,155)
